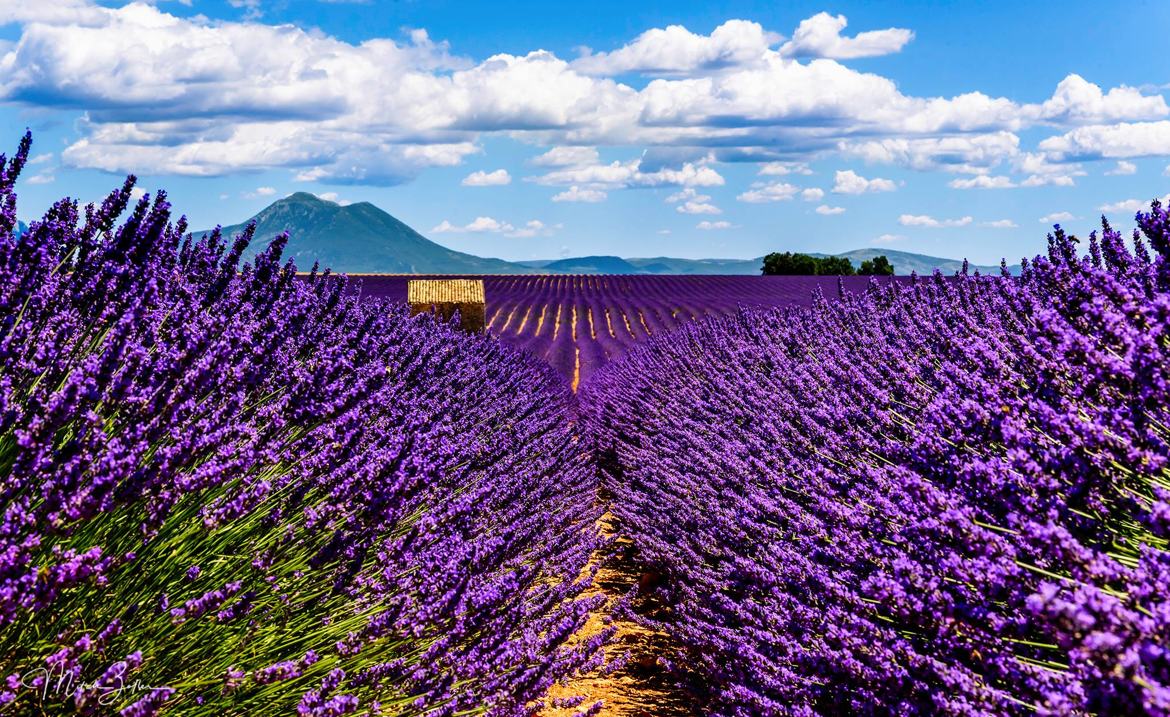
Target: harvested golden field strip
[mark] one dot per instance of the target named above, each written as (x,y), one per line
(641,687)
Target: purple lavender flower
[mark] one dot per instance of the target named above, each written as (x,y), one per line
(231,469)
(940,498)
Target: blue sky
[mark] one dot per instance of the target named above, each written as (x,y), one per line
(536,130)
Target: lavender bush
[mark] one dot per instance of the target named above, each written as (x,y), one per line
(225,490)
(946,498)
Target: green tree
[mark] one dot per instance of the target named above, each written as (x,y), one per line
(834,266)
(794,264)
(877,266)
(789,264)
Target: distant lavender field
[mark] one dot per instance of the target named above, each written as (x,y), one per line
(578,323)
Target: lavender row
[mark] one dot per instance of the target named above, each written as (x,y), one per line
(229,491)
(577,324)
(947,498)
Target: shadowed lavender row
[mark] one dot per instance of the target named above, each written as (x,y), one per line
(225,491)
(579,323)
(944,498)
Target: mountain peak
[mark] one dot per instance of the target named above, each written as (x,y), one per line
(359,238)
(302,198)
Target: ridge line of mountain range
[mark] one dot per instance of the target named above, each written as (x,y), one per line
(360,238)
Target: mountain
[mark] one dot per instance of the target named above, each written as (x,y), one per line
(21,228)
(363,239)
(360,238)
(906,262)
(654,265)
(669,265)
(586,265)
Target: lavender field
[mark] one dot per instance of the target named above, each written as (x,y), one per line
(579,323)
(228,488)
(949,497)
(227,491)
(805,360)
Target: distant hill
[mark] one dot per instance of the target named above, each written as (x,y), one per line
(21,228)
(586,265)
(904,263)
(654,265)
(669,265)
(360,238)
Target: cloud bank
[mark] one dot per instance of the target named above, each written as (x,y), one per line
(210,97)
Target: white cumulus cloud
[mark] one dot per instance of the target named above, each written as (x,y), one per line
(531,228)
(675,50)
(982,181)
(1122,168)
(629,174)
(692,207)
(960,154)
(335,198)
(1045,180)
(80,12)
(1078,101)
(829,211)
(690,201)
(1133,205)
(780,169)
(1123,140)
(495,178)
(1043,171)
(707,226)
(491,225)
(925,220)
(567,157)
(577,194)
(769,192)
(1125,205)
(850,182)
(820,36)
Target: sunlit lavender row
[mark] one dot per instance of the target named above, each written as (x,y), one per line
(947,498)
(229,492)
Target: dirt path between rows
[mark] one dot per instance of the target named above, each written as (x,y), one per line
(641,687)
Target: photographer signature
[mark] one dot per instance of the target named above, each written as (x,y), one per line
(58,682)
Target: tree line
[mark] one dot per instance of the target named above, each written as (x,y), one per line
(794,264)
